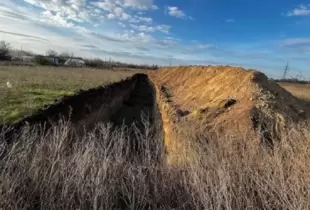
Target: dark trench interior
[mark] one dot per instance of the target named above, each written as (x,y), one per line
(138,113)
(140,104)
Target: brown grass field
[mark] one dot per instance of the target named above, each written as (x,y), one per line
(98,171)
(301,91)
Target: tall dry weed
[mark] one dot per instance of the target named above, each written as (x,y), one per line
(55,170)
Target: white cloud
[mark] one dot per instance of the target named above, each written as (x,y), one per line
(144,19)
(145,28)
(38,29)
(39,36)
(118,13)
(64,12)
(301,10)
(126,10)
(57,19)
(71,13)
(140,4)
(176,12)
(133,4)
(105,5)
(230,21)
(111,16)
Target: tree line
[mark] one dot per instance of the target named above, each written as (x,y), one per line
(7,53)
(293,80)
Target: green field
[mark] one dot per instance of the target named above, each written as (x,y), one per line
(33,87)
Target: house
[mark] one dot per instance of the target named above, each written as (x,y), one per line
(75,62)
(25,58)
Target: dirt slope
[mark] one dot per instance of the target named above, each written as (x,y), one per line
(233,100)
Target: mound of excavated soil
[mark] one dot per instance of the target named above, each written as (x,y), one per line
(234,100)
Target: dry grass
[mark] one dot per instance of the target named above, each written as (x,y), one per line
(33,87)
(301,91)
(53,171)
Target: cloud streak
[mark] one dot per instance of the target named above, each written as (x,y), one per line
(23,35)
(296,44)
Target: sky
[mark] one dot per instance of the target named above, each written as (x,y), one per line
(262,35)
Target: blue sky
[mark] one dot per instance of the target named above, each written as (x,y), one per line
(263,35)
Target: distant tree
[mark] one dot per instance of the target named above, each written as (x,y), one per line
(96,63)
(41,60)
(52,53)
(4,49)
(64,55)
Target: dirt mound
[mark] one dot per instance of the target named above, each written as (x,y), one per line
(234,100)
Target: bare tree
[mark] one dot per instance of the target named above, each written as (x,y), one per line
(64,55)
(4,49)
(52,53)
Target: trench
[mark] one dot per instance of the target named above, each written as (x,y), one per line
(140,113)
(130,103)
(140,104)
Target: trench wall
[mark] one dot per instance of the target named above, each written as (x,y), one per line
(86,107)
(173,134)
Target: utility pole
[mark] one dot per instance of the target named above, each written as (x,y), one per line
(286,70)
(302,77)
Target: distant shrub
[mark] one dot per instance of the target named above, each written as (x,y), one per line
(41,60)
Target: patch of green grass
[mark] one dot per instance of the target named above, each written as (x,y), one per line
(23,101)
(34,87)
